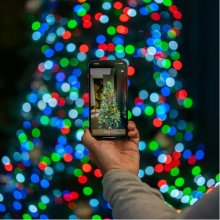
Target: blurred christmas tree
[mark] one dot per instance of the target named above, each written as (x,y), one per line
(109,115)
(47,172)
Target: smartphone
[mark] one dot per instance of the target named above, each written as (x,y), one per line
(108,94)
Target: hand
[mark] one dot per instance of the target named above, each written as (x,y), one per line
(116,154)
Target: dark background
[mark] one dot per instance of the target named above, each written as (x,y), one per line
(200,75)
(201,68)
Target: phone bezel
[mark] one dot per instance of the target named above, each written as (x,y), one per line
(110,64)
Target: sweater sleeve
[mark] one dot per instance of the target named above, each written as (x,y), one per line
(130,198)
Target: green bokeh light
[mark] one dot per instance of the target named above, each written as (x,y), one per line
(166,63)
(153,145)
(179,182)
(174,171)
(35,25)
(22,137)
(179,136)
(175,55)
(74,62)
(188,103)
(129,115)
(171,34)
(196,170)
(55,157)
(119,48)
(111,30)
(167,2)
(46,160)
(64,62)
(72,24)
(187,191)
(77,172)
(149,110)
(44,120)
(87,191)
(129,49)
(26,216)
(85,159)
(98,217)
(165,129)
(36,132)
(42,206)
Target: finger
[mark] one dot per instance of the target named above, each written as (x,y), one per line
(89,141)
(134,135)
(131,125)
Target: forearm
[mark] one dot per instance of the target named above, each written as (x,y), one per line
(131,198)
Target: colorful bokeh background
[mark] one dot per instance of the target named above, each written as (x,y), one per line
(45,169)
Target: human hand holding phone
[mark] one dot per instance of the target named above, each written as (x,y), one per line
(115,154)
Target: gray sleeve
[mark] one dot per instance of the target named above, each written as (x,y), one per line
(131,198)
(206,208)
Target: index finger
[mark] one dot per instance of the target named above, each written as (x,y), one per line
(131,125)
(89,141)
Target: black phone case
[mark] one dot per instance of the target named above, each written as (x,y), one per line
(110,64)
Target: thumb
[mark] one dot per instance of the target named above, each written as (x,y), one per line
(89,141)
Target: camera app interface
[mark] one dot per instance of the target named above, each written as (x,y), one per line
(108,101)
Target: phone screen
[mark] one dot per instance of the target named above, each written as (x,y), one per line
(108,98)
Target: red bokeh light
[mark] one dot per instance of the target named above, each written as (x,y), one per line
(155,16)
(61,101)
(176,155)
(121,29)
(42,165)
(124,18)
(86,167)
(177,65)
(82,179)
(161,183)
(8,167)
(83,48)
(168,159)
(181,94)
(138,100)
(172,8)
(117,5)
(158,168)
(102,46)
(157,122)
(74,195)
(85,98)
(192,160)
(65,130)
(55,95)
(131,71)
(177,14)
(110,47)
(97,16)
(97,173)
(87,24)
(68,157)
(66,35)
